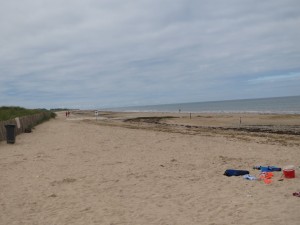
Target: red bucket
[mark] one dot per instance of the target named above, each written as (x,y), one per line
(289,173)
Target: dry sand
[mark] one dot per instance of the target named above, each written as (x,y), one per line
(82,171)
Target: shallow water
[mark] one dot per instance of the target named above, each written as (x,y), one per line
(281,105)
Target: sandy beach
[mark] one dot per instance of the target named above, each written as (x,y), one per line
(163,171)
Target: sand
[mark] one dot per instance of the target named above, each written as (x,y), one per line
(82,171)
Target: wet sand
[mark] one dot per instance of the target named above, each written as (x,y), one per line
(80,170)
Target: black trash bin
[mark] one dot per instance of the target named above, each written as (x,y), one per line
(10,133)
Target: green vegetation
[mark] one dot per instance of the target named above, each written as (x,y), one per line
(47,115)
(11,112)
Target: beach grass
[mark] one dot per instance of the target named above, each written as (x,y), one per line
(11,112)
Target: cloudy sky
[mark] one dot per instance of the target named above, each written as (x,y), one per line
(108,53)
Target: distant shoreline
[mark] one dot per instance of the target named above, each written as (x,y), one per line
(279,105)
(201,112)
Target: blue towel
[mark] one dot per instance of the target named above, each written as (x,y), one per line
(231,172)
(269,168)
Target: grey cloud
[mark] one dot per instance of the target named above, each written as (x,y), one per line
(145,51)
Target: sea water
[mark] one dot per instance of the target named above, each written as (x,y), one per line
(280,105)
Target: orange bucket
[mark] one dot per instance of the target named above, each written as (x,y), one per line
(289,173)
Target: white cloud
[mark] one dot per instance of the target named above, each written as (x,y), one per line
(294,77)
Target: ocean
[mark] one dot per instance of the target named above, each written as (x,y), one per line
(279,105)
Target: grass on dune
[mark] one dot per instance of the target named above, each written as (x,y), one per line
(11,112)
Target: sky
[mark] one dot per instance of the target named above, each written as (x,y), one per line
(111,53)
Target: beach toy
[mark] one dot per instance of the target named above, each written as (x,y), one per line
(289,171)
(266,177)
(231,172)
(268,181)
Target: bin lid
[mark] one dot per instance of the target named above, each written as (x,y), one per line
(10,125)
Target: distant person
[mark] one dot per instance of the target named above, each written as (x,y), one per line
(66,113)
